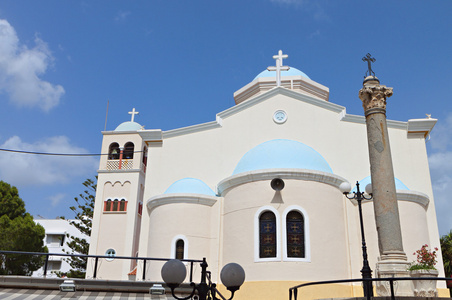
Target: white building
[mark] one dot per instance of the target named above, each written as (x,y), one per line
(55,240)
(204,190)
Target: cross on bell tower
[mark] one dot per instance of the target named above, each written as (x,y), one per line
(279,66)
(133,113)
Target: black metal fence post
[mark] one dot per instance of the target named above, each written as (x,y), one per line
(144,269)
(45,265)
(95,267)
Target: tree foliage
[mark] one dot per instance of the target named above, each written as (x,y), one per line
(18,232)
(446,249)
(83,211)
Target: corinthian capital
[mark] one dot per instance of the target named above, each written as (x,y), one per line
(374,97)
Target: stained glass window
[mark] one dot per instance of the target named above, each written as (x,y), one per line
(180,249)
(295,234)
(267,235)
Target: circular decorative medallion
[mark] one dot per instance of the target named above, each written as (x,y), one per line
(280,116)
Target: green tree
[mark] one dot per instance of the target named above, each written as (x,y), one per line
(18,232)
(83,211)
(446,249)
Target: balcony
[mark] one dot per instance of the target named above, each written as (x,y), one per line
(126,164)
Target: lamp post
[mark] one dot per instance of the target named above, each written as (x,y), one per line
(174,272)
(366,271)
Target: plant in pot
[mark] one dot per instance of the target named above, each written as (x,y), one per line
(424,266)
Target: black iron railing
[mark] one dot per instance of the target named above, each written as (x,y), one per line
(293,291)
(96,260)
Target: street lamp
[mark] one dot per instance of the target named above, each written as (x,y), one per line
(366,272)
(174,272)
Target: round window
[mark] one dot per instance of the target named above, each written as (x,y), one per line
(110,252)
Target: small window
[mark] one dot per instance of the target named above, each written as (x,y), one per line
(267,235)
(295,234)
(122,205)
(108,205)
(115,205)
(54,266)
(128,150)
(55,240)
(180,249)
(113,151)
(111,253)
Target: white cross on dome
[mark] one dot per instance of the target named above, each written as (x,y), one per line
(279,66)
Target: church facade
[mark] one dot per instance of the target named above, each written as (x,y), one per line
(258,186)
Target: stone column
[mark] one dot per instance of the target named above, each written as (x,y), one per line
(392,260)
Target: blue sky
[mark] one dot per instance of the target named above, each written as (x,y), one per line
(179,62)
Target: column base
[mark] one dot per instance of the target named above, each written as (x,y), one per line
(393,264)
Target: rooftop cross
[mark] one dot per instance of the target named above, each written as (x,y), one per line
(369,60)
(279,66)
(133,113)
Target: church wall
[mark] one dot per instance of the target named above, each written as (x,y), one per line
(213,154)
(192,221)
(327,232)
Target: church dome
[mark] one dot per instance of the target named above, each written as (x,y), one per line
(291,72)
(399,185)
(190,186)
(278,154)
(128,126)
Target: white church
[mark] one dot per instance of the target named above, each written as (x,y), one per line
(205,191)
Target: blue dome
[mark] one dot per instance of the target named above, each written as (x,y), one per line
(276,154)
(190,186)
(128,126)
(291,72)
(362,184)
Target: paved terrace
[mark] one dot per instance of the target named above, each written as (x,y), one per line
(32,288)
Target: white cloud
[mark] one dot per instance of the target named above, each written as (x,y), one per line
(122,16)
(37,170)
(20,69)
(56,199)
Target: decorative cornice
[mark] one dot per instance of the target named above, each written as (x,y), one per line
(297,83)
(269,174)
(192,129)
(423,126)
(165,199)
(362,120)
(153,135)
(406,195)
(120,171)
(283,91)
(413,196)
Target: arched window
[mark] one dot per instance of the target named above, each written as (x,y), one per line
(179,249)
(128,150)
(122,205)
(108,205)
(295,234)
(267,235)
(113,151)
(115,205)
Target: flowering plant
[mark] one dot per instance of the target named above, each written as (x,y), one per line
(425,259)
